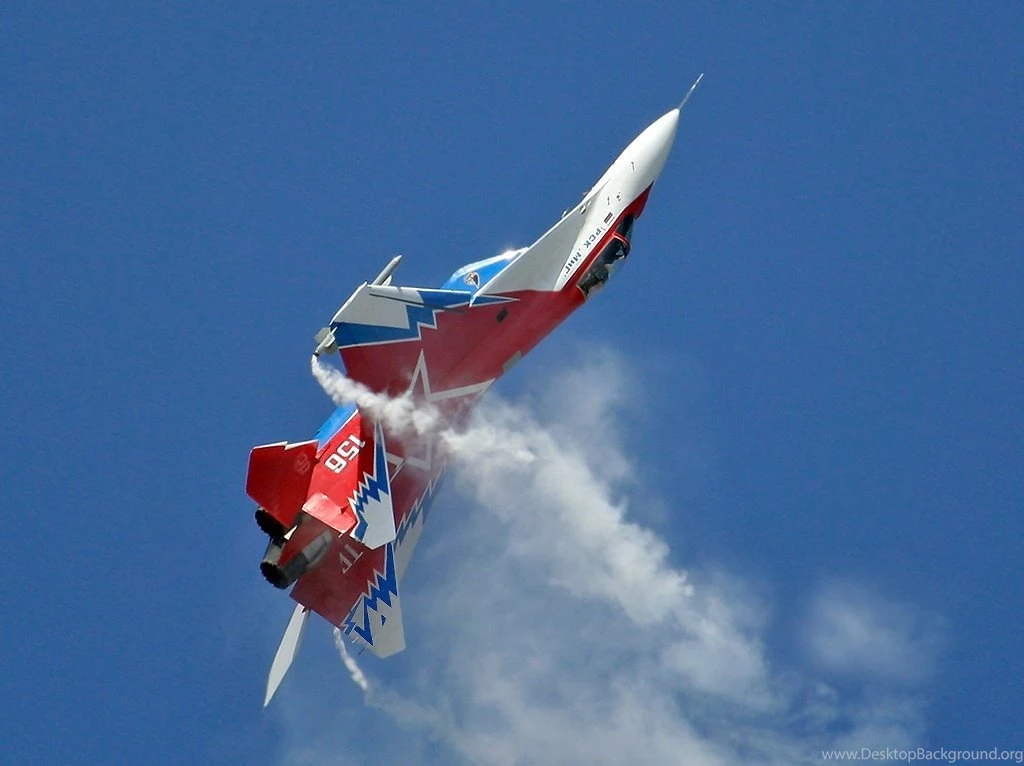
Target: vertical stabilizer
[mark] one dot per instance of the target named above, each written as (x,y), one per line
(286,651)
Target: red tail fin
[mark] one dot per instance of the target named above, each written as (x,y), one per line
(279,477)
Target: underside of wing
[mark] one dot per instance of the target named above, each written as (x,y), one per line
(375,621)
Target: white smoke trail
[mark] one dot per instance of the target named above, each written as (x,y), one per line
(520,471)
(563,503)
(518,667)
(399,414)
(353,668)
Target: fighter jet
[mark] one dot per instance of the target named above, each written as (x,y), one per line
(344,510)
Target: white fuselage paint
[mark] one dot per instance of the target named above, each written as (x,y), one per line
(633,171)
(553,259)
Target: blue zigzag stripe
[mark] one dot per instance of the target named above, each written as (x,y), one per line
(421,506)
(382,590)
(352,334)
(371,486)
(418,316)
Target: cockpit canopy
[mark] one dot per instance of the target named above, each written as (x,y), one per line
(473,276)
(616,249)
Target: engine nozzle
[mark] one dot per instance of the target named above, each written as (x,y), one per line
(284,575)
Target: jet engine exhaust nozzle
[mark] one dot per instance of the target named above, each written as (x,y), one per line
(283,576)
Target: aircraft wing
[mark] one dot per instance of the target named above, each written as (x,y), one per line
(538,267)
(393,338)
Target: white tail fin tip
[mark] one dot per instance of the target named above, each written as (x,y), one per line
(286,651)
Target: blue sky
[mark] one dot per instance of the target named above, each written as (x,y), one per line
(812,368)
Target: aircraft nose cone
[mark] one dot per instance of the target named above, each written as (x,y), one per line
(655,143)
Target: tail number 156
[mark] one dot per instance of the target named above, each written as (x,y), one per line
(345,453)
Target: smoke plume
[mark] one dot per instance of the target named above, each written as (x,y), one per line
(350,663)
(554,625)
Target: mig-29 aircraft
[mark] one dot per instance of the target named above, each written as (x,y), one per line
(345,510)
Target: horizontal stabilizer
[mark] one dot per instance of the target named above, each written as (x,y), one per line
(286,651)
